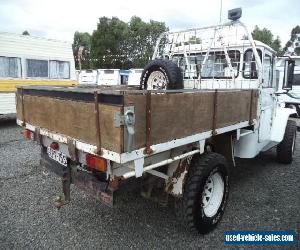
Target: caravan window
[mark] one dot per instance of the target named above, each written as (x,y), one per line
(10,67)
(59,70)
(37,68)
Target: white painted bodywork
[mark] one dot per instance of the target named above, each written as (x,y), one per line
(139,153)
(279,123)
(7,103)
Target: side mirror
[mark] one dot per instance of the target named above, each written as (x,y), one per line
(288,78)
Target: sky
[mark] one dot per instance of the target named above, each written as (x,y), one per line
(59,19)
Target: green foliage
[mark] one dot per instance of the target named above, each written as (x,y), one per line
(276,45)
(82,39)
(141,40)
(109,43)
(25,33)
(294,32)
(265,35)
(116,44)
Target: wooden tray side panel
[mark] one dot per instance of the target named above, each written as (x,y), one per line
(19,106)
(178,115)
(173,116)
(74,119)
(232,107)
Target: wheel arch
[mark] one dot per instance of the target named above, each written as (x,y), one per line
(279,123)
(222,144)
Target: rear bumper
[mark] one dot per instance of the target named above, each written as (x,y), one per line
(84,180)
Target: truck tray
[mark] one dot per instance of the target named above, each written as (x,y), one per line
(93,115)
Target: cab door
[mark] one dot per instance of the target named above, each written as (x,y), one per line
(268,98)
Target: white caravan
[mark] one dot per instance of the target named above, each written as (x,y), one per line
(29,60)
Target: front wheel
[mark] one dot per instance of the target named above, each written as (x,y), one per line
(205,193)
(286,148)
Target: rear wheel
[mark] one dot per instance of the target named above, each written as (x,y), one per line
(205,193)
(161,74)
(286,148)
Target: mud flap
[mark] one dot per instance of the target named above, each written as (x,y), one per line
(223,144)
(100,190)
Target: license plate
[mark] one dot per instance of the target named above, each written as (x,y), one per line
(57,156)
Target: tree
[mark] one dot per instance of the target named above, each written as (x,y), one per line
(142,39)
(276,45)
(116,44)
(265,35)
(294,32)
(25,33)
(108,43)
(82,40)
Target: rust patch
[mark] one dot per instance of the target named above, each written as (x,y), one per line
(72,149)
(175,186)
(115,183)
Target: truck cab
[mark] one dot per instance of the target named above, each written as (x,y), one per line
(224,57)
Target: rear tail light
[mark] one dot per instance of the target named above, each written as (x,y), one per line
(28,134)
(96,163)
(54,145)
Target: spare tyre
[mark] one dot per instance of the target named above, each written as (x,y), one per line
(161,74)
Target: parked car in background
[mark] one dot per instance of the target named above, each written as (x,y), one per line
(292,97)
(109,76)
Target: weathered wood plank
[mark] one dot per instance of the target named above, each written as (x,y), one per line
(74,119)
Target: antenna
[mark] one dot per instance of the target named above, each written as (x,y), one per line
(221,11)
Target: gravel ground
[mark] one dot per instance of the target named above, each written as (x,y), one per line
(264,195)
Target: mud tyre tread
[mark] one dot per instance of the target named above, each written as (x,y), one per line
(189,209)
(286,147)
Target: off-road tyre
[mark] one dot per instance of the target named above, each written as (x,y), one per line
(170,70)
(286,148)
(189,210)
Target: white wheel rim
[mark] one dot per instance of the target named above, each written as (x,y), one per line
(212,195)
(157,80)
